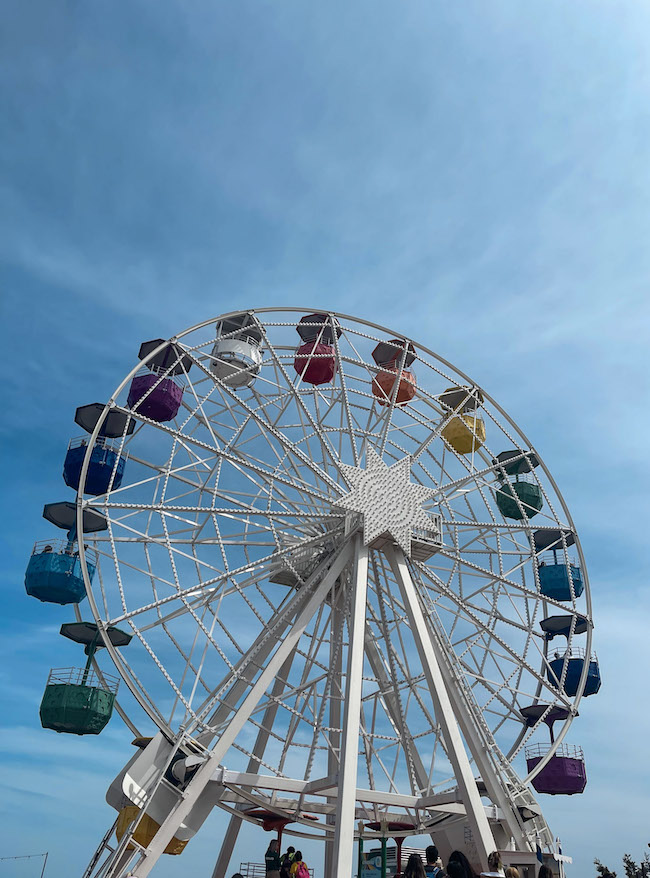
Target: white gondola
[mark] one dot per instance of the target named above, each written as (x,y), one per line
(236,355)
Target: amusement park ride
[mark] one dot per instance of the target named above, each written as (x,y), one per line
(346,598)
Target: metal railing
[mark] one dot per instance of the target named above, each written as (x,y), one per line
(572,652)
(258,870)
(548,559)
(503,476)
(62,547)
(162,373)
(569,751)
(83,677)
(101,442)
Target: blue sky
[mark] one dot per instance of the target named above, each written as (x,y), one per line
(473,174)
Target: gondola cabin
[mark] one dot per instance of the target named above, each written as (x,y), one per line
(76,702)
(315,360)
(465,431)
(145,831)
(565,671)
(395,382)
(236,355)
(105,467)
(564,774)
(518,495)
(54,572)
(156,392)
(560,577)
(79,701)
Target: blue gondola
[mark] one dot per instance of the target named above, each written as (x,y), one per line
(104,461)
(575,662)
(554,579)
(54,573)
(558,580)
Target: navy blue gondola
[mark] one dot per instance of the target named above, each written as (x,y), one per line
(575,662)
(104,459)
(54,574)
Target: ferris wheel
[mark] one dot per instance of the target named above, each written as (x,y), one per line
(334,574)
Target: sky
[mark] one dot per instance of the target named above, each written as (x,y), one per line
(474,175)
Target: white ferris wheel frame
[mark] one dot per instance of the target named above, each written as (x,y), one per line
(441,678)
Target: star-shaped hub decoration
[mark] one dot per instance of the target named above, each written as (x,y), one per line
(389,502)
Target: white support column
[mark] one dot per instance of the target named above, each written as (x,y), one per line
(202,777)
(444,713)
(230,838)
(336,697)
(347,787)
(477,746)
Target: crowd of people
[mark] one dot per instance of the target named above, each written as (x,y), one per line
(289,865)
(292,865)
(458,866)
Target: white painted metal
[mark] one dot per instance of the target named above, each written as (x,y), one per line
(234,825)
(347,782)
(335,702)
(225,516)
(444,712)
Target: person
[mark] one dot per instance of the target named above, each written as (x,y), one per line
(459,857)
(545,872)
(512,872)
(287,860)
(455,869)
(272,860)
(47,550)
(299,868)
(238,875)
(414,867)
(495,866)
(434,863)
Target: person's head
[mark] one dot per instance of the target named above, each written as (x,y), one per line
(512,872)
(545,872)
(459,857)
(432,853)
(238,875)
(414,867)
(273,844)
(455,869)
(297,857)
(494,862)
(291,849)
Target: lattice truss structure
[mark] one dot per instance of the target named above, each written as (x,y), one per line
(296,655)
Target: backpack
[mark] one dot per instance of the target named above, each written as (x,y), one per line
(432,871)
(302,871)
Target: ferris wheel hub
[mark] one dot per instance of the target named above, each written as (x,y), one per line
(388,502)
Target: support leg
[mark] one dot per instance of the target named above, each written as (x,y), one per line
(345,810)
(234,825)
(336,697)
(444,714)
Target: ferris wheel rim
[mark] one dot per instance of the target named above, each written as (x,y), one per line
(125,673)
